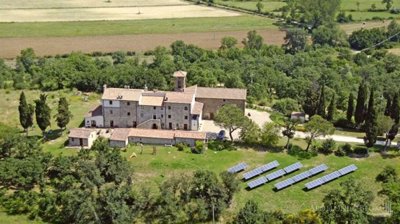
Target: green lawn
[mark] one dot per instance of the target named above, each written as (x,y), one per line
(153,26)
(269,5)
(151,169)
(16,219)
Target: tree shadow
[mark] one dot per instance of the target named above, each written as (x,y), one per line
(53,135)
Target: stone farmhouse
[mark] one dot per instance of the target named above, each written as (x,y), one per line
(181,109)
(129,115)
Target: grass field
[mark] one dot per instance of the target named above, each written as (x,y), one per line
(94,28)
(269,5)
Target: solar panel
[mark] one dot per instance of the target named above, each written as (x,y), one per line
(275,175)
(331,176)
(239,167)
(293,167)
(347,169)
(315,183)
(257,182)
(301,176)
(284,183)
(260,170)
(318,169)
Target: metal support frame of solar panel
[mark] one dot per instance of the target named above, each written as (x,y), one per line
(301,176)
(329,177)
(257,182)
(260,170)
(239,167)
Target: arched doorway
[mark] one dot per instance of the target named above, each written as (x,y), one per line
(154,126)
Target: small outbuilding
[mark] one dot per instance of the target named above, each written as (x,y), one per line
(95,118)
(82,137)
(300,116)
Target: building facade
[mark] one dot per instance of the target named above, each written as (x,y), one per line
(181,109)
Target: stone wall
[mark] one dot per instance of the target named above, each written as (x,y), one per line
(211,106)
(124,116)
(152,141)
(179,116)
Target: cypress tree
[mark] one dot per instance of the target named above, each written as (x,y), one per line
(371,124)
(359,114)
(42,111)
(388,106)
(321,103)
(331,109)
(350,107)
(395,109)
(25,113)
(63,114)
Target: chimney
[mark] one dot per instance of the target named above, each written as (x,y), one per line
(145,87)
(104,87)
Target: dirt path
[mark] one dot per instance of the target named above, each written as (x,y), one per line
(11,47)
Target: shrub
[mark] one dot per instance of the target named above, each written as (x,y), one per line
(388,174)
(343,123)
(328,146)
(361,150)
(297,151)
(181,146)
(340,152)
(346,148)
(221,145)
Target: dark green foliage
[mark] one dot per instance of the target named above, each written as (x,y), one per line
(26,61)
(371,124)
(391,190)
(321,109)
(349,204)
(395,109)
(232,185)
(331,109)
(343,18)
(249,214)
(42,111)
(328,146)
(317,126)
(361,150)
(25,113)
(20,174)
(297,151)
(392,31)
(295,40)
(250,132)
(63,115)
(231,118)
(366,38)
(388,174)
(253,41)
(319,12)
(286,106)
(359,113)
(331,36)
(350,107)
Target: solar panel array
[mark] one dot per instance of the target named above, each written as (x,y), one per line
(329,177)
(274,175)
(237,168)
(259,170)
(301,176)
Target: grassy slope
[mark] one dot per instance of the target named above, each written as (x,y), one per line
(93,28)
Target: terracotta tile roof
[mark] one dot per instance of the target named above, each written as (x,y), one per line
(190,134)
(221,93)
(151,133)
(180,74)
(80,132)
(191,89)
(179,97)
(121,94)
(151,101)
(120,134)
(197,108)
(97,111)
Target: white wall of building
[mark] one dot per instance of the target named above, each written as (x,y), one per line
(98,119)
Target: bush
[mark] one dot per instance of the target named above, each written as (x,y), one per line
(340,152)
(286,106)
(343,123)
(328,146)
(221,145)
(365,38)
(361,150)
(346,148)
(297,151)
(181,146)
(388,174)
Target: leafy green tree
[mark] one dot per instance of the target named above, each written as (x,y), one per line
(349,204)
(286,106)
(388,4)
(319,12)
(230,117)
(259,6)
(250,132)
(318,126)
(350,107)
(63,115)
(249,214)
(228,42)
(359,114)
(365,38)
(295,40)
(395,109)
(392,31)
(26,60)
(25,113)
(270,135)
(304,216)
(231,184)
(42,111)
(289,130)
(331,36)
(118,57)
(391,190)
(321,103)
(331,108)
(21,173)
(371,124)
(253,41)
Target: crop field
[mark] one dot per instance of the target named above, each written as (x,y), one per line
(269,5)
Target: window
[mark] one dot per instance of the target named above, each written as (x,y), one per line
(224,100)
(128,103)
(186,117)
(72,139)
(169,116)
(111,112)
(162,115)
(154,117)
(186,108)
(110,102)
(154,108)
(169,107)
(129,113)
